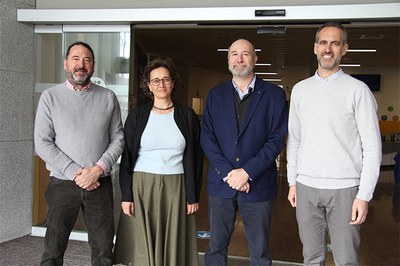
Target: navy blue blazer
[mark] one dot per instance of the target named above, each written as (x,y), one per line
(254,148)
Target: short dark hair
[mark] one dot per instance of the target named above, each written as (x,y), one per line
(334,25)
(156,63)
(82,44)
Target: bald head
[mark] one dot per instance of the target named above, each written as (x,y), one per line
(242,43)
(241,58)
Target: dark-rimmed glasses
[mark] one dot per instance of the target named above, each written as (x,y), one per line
(157,81)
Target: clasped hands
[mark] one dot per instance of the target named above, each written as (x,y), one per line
(88,178)
(238,179)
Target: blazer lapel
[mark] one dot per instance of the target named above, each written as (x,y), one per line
(255,99)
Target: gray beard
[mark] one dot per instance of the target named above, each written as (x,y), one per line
(80,81)
(243,73)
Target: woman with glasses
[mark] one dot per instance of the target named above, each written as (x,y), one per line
(160,176)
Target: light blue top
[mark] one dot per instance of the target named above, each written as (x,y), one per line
(161,147)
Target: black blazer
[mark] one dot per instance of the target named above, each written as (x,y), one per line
(188,124)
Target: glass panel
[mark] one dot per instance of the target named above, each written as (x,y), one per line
(112,52)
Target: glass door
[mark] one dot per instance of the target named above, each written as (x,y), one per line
(112,55)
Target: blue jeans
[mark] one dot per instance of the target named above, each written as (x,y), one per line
(64,200)
(256,218)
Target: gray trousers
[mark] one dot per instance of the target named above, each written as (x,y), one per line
(321,210)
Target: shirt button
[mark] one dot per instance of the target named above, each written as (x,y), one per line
(237,159)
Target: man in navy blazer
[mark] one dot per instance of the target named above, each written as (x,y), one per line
(244,130)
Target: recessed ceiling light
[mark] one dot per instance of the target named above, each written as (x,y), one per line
(272,79)
(350,65)
(226,50)
(266,73)
(362,50)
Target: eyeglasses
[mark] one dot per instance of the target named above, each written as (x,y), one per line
(157,82)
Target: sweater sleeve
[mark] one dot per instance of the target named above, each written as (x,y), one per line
(44,137)
(368,127)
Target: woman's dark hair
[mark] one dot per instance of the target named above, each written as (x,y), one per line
(156,63)
(82,44)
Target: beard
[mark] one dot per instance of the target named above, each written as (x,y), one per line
(240,71)
(330,64)
(81,79)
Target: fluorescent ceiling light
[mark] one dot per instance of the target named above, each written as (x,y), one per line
(263,64)
(272,79)
(266,73)
(226,50)
(350,65)
(362,50)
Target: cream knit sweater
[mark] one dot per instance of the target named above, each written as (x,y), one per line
(334,139)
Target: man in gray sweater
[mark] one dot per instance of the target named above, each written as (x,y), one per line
(78,133)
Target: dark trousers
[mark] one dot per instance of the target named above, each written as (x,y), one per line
(64,200)
(256,218)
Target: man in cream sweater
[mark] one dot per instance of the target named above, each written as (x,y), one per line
(333,152)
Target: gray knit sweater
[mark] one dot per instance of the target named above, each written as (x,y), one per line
(75,129)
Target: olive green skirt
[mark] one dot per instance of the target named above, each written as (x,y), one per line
(160,233)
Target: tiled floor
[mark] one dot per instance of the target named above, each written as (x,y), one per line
(380,234)
(26,251)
